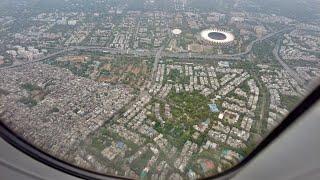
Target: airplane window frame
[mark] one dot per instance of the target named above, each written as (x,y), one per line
(66,167)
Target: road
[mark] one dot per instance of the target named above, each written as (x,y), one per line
(156,62)
(249,47)
(263,108)
(236,56)
(38,60)
(291,72)
(142,52)
(88,48)
(201,56)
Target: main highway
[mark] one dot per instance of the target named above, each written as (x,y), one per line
(291,72)
(40,59)
(157,53)
(156,61)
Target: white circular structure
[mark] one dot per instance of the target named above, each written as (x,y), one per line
(176,31)
(217,36)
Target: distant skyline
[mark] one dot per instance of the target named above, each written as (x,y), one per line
(147,89)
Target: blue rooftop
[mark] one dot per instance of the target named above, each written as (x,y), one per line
(120,144)
(213,107)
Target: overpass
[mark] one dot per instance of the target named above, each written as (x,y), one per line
(143,52)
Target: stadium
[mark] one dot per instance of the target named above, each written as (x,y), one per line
(216,36)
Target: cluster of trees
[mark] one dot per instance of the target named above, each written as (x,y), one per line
(29,101)
(192,107)
(30,87)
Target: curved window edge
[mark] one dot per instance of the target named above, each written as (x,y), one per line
(19,143)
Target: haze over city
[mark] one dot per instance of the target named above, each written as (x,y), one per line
(154,89)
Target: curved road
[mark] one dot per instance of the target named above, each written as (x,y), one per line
(152,52)
(291,72)
(41,59)
(236,56)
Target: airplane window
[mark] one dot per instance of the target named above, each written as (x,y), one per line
(154,89)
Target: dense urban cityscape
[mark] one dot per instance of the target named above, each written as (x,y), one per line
(144,89)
